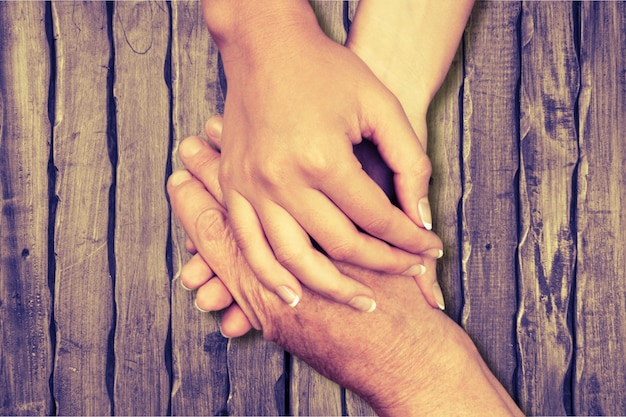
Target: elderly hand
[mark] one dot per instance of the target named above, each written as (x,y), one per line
(406,358)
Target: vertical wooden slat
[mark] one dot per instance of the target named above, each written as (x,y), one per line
(311,393)
(547,253)
(257,377)
(600,320)
(444,150)
(200,375)
(490,164)
(25,299)
(142,284)
(83,291)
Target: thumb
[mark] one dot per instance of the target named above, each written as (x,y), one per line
(390,130)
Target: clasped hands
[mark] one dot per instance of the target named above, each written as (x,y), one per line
(285,176)
(289,176)
(406,359)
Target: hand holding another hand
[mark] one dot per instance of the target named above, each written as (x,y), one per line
(404,359)
(294,110)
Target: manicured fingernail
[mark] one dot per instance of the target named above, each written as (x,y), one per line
(415,271)
(178,177)
(439,296)
(190,146)
(195,303)
(433,253)
(288,295)
(183,285)
(363,303)
(424,209)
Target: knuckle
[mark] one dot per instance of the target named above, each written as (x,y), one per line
(342,251)
(316,164)
(210,224)
(271,173)
(289,255)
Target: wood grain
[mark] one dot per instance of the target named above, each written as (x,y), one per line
(330,18)
(200,374)
(490,165)
(600,319)
(84,289)
(444,150)
(535,148)
(311,393)
(25,296)
(547,252)
(258,378)
(142,282)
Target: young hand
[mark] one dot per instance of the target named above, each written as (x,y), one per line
(288,171)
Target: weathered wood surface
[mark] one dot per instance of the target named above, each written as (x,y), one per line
(600,295)
(25,295)
(82,185)
(527,191)
(548,157)
(196,342)
(490,163)
(142,146)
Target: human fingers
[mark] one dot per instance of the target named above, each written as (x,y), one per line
(234,322)
(429,286)
(250,238)
(195,273)
(365,203)
(386,124)
(342,241)
(213,296)
(204,220)
(293,250)
(203,162)
(319,273)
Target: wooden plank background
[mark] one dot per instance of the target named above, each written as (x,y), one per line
(528,191)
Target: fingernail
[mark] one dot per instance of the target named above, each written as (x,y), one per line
(415,271)
(288,295)
(178,177)
(363,303)
(424,209)
(439,296)
(433,253)
(183,285)
(195,303)
(190,146)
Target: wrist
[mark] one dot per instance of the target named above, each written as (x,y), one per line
(251,33)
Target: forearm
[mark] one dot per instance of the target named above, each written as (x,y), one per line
(409,45)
